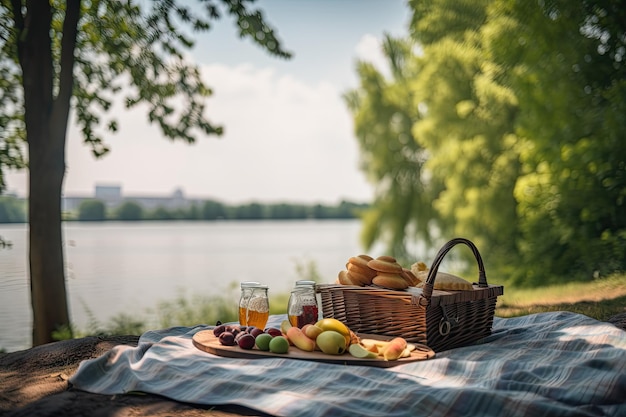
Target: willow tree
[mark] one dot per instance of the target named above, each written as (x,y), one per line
(384,114)
(435,137)
(468,126)
(519,108)
(68,56)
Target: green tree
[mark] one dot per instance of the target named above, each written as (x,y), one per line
(130,211)
(251,211)
(565,61)
(517,114)
(467,127)
(92,210)
(213,210)
(384,112)
(61,56)
(160,213)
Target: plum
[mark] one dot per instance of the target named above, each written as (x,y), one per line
(227,339)
(219,330)
(246,341)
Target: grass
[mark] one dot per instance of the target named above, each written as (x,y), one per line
(599,299)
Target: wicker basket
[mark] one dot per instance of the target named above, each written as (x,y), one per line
(440,319)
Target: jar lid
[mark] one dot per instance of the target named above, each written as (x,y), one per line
(249,284)
(305,283)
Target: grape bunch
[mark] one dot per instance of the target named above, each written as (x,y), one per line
(247,337)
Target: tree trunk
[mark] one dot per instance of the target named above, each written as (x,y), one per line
(46,127)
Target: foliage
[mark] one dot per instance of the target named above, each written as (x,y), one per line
(515,114)
(129,210)
(393,160)
(197,309)
(571,88)
(95,210)
(92,210)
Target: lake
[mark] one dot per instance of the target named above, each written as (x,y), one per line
(115,267)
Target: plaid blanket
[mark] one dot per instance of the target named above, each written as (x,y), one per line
(549,364)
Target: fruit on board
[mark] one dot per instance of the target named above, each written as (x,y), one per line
(262,341)
(227,339)
(273,331)
(335,325)
(394,349)
(401,348)
(359,351)
(300,340)
(279,344)
(246,341)
(284,326)
(331,342)
(370,345)
(311,331)
(255,332)
(219,330)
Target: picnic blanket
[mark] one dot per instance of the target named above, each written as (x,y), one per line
(548,364)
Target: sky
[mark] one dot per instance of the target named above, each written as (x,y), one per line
(288,133)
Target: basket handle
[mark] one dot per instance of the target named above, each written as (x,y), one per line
(427,290)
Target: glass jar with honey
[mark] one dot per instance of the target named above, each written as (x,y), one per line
(246,292)
(258,307)
(303,306)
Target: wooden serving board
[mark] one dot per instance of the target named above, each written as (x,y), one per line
(206,341)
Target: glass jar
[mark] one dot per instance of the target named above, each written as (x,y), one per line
(303,306)
(258,307)
(246,292)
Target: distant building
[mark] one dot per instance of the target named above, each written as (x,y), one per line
(112,197)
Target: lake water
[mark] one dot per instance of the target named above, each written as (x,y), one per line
(130,267)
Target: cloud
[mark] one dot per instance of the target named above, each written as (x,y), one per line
(285,140)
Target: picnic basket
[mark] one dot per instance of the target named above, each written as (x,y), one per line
(440,319)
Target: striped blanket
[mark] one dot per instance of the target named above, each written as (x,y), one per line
(549,364)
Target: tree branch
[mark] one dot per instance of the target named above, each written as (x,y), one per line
(68,45)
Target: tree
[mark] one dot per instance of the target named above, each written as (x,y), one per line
(517,119)
(384,111)
(565,61)
(129,211)
(213,210)
(92,210)
(67,56)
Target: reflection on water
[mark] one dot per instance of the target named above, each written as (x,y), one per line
(130,267)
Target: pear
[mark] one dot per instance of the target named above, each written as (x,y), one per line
(327,324)
(331,342)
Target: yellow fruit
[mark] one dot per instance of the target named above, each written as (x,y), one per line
(311,331)
(335,325)
(299,339)
(369,345)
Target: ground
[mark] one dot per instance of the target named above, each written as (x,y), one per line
(34,382)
